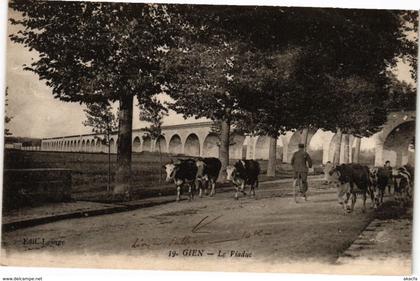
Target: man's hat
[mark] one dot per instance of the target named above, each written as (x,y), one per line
(301,145)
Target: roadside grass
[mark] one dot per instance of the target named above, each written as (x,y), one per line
(90,171)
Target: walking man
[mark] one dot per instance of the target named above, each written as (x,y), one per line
(388,170)
(300,163)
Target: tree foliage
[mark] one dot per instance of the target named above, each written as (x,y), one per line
(102,120)
(292,67)
(93,52)
(153,112)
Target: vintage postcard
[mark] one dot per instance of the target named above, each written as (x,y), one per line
(209,137)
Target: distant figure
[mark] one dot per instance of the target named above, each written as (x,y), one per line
(300,163)
(327,168)
(388,170)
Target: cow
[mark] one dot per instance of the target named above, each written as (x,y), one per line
(380,179)
(403,179)
(207,174)
(351,179)
(244,172)
(182,172)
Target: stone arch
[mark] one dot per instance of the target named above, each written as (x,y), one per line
(238,149)
(87,149)
(262,145)
(98,145)
(147,143)
(83,148)
(279,148)
(175,145)
(316,146)
(79,145)
(333,147)
(92,145)
(112,145)
(396,144)
(161,144)
(211,145)
(192,145)
(366,158)
(136,144)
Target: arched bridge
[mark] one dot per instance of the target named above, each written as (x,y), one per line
(197,139)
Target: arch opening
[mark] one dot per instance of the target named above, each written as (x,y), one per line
(192,145)
(262,147)
(136,144)
(398,147)
(210,146)
(175,145)
(112,145)
(147,143)
(161,145)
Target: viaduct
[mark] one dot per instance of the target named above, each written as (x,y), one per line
(392,143)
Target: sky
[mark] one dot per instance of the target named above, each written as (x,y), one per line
(37,114)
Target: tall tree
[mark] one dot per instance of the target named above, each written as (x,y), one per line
(203,87)
(268,101)
(97,52)
(104,123)
(215,59)
(336,82)
(345,73)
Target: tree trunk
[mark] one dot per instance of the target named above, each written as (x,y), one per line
(356,154)
(224,148)
(304,137)
(337,151)
(109,166)
(160,161)
(346,152)
(124,148)
(272,154)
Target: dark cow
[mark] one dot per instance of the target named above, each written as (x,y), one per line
(182,172)
(380,179)
(403,179)
(244,172)
(207,174)
(351,179)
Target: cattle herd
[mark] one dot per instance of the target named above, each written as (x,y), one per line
(349,179)
(353,179)
(202,173)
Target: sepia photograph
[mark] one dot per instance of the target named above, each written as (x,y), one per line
(224,138)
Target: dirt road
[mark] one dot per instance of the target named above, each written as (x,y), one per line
(270,229)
